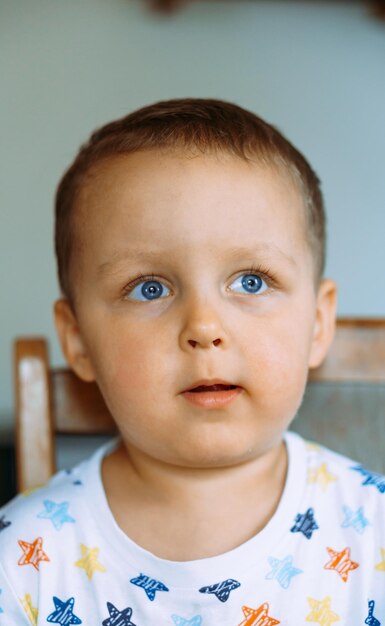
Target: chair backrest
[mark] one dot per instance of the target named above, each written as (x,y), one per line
(343,407)
(344,403)
(49,401)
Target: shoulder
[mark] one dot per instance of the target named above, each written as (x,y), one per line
(348,472)
(32,531)
(39,511)
(335,480)
(29,504)
(40,518)
(41,535)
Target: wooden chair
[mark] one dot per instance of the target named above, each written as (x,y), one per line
(343,407)
(344,402)
(50,402)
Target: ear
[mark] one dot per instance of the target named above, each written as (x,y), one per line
(71,340)
(325,321)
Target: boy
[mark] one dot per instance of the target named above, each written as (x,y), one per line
(190,246)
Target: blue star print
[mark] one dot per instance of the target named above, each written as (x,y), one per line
(63,613)
(180,621)
(283,570)
(150,585)
(4,523)
(355,519)
(305,524)
(57,513)
(118,618)
(221,590)
(371,478)
(371,620)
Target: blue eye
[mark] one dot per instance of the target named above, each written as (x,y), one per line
(148,290)
(251,283)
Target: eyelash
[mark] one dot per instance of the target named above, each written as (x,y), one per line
(262,271)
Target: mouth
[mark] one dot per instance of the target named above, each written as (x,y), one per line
(212,394)
(211,384)
(207,388)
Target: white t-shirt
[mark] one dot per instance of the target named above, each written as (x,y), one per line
(320,559)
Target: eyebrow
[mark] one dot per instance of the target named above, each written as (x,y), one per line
(234,253)
(267,249)
(128,256)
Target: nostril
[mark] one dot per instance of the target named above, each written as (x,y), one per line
(193,342)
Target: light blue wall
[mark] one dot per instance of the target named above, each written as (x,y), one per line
(316,70)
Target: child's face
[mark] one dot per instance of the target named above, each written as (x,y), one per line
(197,228)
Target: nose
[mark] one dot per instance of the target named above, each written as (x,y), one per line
(203,328)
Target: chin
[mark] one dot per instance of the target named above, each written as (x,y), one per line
(217,457)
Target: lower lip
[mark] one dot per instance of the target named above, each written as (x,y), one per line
(212,399)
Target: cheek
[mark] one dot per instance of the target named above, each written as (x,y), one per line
(279,360)
(130,367)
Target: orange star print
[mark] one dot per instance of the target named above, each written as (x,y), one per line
(341,563)
(258,617)
(33,553)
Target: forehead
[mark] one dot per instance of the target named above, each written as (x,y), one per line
(155,202)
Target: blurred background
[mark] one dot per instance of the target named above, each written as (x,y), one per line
(316,70)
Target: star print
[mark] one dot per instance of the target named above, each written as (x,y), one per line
(258,617)
(341,562)
(33,553)
(371,620)
(31,611)
(118,618)
(150,585)
(283,570)
(63,613)
(355,519)
(381,566)
(57,513)
(371,478)
(321,612)
(305,524)
(221,590)
(4,523)
(321,476)
(90,562)
(180,621)
(77,482)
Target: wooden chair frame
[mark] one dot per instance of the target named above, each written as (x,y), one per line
(48,402)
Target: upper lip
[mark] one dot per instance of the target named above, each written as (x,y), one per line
(209,382)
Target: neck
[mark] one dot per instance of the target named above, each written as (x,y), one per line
(237,501)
